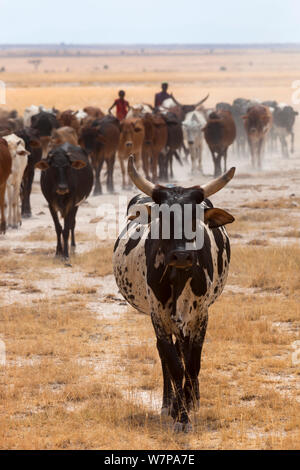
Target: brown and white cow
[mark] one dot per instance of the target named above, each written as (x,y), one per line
(131,142)
(257,122)
(5,169)
(58,137)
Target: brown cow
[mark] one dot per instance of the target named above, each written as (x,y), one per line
(219,133)
(257,122)
(101,140)
(131,142)
(155,140)
(68,118)
(59,136)
(94,112)
(5,169)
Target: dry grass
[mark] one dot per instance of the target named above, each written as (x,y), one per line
(280,203)
(76,378)
(268,268)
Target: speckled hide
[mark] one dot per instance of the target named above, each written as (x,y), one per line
(176,299)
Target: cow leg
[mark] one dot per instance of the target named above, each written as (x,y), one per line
(67,227)
(121,160)
(225,160)
(168,395)
(292,141)
(192,358)
(163,166)
(154,163)
(217,163)
(26,190)
(171,360)
(58,229)
(193,156)
(145,159)
(110,170)
(2,207)
(199,156)
(15,201)
(72,227)
(9,189)
(98,168)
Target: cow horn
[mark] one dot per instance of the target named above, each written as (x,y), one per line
(202,101)
(175,101)
(142,183)
(218,183)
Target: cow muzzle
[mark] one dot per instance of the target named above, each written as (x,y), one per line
(62,190)
(180,259)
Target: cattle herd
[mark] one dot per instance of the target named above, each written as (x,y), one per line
(157,276)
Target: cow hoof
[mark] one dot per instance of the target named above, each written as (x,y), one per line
(182,427)
(193,405)
(165,411)
(26,215)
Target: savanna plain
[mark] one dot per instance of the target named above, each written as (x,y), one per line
(82,370)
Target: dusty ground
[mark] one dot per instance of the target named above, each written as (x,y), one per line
(82,370)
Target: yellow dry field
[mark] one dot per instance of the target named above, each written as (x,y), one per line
(81,369)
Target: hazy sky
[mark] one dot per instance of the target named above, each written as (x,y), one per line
(149,21)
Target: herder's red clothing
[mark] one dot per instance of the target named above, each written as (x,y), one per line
(122,106)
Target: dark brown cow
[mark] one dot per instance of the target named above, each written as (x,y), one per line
(155,140)
(257,122)
(219,133)
(101,140)
(131,142)
(5,169)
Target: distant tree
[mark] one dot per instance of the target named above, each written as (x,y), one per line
(36,63)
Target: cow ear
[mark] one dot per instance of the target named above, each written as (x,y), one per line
(34,143)
(42,165)
(78,164)
(216,217)
(23,153)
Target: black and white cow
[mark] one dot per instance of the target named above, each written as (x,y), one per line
(173,284)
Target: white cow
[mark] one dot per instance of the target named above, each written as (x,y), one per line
(19,155)
(192,131)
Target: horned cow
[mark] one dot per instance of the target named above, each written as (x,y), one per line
(174,282)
